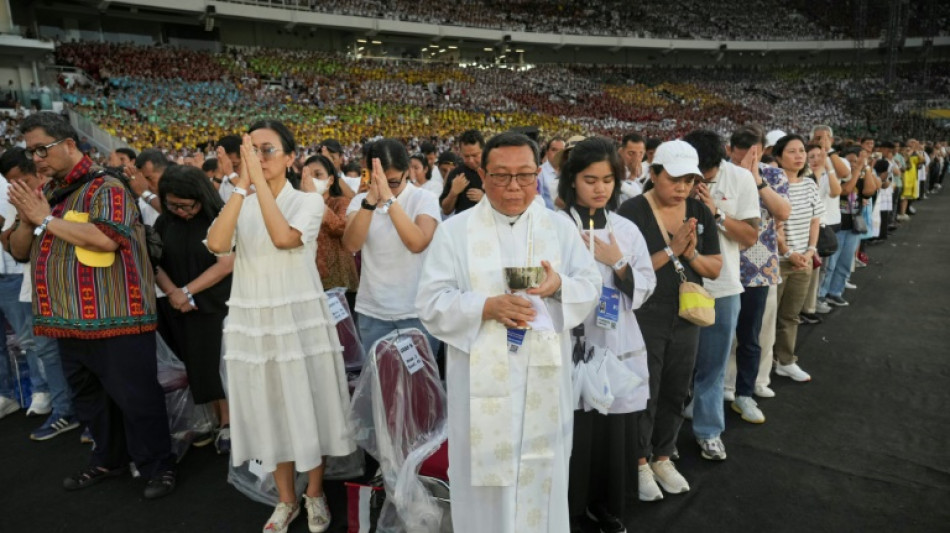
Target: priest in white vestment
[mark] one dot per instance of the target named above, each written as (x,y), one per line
(510,401)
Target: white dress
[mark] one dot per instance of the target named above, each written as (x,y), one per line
(286,379)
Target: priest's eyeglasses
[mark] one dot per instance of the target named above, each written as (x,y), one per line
(524,179)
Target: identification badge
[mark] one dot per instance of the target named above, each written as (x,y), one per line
(338,311)
(409,354)
(515,340)
(608,311)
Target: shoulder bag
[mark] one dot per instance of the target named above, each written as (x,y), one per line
(696,304)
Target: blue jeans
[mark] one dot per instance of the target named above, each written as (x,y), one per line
(748,328)
(372,329)
(715,343)
(42,353)
(839,265)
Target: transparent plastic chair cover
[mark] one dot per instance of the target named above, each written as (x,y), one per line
(398,414)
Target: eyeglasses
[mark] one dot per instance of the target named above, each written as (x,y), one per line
(41,151)
(267,153)
(172,206)
(503,180)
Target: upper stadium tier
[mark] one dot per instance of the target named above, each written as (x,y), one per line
(718,20)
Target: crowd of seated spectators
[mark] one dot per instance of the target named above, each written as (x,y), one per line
(327,95)
(692,19)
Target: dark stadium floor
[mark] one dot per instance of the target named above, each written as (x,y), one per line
(863,447)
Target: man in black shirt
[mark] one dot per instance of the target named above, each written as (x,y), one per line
(463,186)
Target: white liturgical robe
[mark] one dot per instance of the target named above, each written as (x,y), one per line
(451,310)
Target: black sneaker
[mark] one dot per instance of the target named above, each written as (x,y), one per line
(809,318)
(90,476)
(836,301)
(161,484)
(607,522)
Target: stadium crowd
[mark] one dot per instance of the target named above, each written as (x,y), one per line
(325,95)
(649,19)
(669,248)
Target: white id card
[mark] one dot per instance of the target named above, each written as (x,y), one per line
(410,356)
(338,311)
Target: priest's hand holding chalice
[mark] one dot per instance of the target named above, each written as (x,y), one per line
(514,310)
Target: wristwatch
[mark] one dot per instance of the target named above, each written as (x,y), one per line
(762,185)
(42,227)
(788,254)
(240,191)
(367,206)
(620,264)
(386,205)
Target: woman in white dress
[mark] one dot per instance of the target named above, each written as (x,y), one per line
(604,444)
(286,379)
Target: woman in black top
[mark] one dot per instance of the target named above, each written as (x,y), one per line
(198,285)
(671,341)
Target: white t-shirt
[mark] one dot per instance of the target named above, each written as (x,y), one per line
(7,264)
(149,213)
(390,275)
(737,198)
(352,183)
(227,188)
(436,177)
(629,188)
(832,214)
(26,288)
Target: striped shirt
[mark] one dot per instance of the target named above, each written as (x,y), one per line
(806,205)
(73,300)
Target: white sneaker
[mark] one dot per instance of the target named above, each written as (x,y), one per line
(763,391)
(849,285)
(822,307)
(792,371)
(669,478)
(749,410)
(283,515)
(8,405)
(729,395)
(318,513)
(712,449)
(688,411)
(40,404)
(647,487)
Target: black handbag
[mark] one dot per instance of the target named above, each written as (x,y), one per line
(827,241)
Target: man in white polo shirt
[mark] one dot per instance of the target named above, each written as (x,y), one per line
(729,192)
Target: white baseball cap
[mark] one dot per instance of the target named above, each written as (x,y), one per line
(773,136)
(678,158)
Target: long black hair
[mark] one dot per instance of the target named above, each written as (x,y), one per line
(188,182)
(327,165)
(584,154)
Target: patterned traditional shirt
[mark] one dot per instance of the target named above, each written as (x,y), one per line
(758,264)
(73,300)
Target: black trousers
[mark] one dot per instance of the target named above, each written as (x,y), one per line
(671,354)
(116,393)
(603,462)
(195,337)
